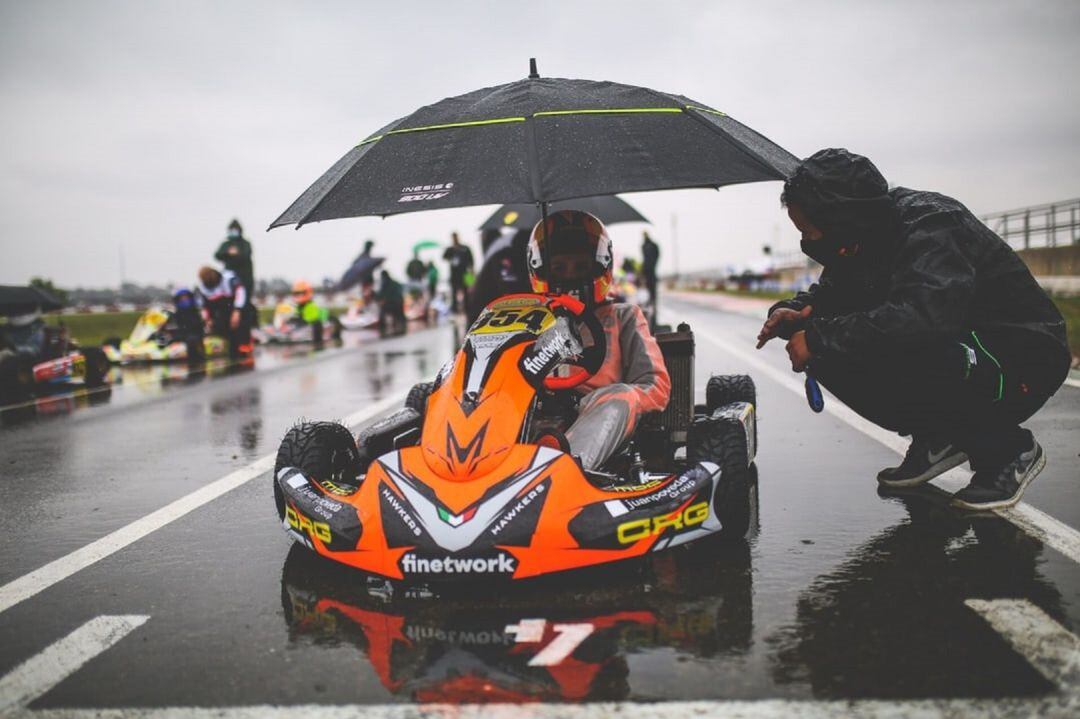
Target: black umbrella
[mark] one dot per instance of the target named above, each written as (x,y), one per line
(16,300)
(609,209)
(361,270)
(539,140)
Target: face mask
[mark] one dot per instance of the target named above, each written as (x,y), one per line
(234,234)
(827,248)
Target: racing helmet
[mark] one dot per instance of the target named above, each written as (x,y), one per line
(302,292)
(579,253)
(183,298)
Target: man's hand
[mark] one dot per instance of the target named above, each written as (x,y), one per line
(798,352)
(234,321)
(782,321)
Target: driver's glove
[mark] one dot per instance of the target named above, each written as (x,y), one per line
(554,346)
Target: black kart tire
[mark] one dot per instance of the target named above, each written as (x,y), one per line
(16,377)
(723,389)
(196,351)
(322,451)
(723,441)
(97,366)
(336,328)
(418,397)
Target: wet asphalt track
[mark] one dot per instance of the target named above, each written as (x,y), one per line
(840,594)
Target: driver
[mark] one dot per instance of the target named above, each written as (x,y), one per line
(308,310)
(632,379)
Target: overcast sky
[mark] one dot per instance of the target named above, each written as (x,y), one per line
(147,126)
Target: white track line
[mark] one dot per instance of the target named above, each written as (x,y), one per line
(1050,648)
(1042,526)
(1072,382)
(59,660)
(44,577)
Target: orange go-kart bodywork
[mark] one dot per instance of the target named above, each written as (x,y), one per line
(474,499)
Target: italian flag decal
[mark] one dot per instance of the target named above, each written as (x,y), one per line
(456,520)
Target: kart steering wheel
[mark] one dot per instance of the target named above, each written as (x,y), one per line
(592,358)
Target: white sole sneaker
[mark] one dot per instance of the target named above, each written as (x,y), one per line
(935,470)
(1029,476)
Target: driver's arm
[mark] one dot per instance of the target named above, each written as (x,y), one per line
(643,365)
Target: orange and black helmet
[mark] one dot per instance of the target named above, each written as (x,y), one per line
(571,253)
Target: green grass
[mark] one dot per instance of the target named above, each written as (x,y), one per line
(93,328)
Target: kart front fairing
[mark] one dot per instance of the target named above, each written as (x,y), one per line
(474,499)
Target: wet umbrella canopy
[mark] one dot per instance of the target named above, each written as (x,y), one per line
(361,270)
(608,209)
(539,140)
(15,300)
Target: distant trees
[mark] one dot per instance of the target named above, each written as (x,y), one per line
(46,285)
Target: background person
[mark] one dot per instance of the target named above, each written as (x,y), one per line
(460,259)
(504,271)
(924,322)
(225,299)
(391,299)
(650,257)
(186,325)
(236,254)
(309,311)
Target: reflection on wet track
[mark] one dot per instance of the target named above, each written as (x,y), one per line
(841,593)
(551,640)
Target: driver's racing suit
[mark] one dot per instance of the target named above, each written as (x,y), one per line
(632,381)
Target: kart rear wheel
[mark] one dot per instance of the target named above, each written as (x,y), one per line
(97,366)
(723,441)
(725,389)
(323,451)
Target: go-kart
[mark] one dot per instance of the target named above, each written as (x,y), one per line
(456,485)
(155,339)
(38,357)
(361,316)
(289,328)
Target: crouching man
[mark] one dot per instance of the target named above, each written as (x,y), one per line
(924,322)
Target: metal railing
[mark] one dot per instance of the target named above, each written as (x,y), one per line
(1051,225)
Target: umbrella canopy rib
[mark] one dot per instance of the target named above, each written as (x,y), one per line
(546,113)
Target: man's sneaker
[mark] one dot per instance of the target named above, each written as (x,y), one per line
(924,461)
(1004,487)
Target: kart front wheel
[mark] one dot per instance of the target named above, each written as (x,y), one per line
(723,441)
(725,389)
(97,366)
(323,451)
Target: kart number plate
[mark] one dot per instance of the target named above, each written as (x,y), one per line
(512,316)
(78,366)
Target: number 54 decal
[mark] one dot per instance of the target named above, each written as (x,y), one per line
(568,637)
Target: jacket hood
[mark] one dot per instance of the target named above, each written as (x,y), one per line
(842,193)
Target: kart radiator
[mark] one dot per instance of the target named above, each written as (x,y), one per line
(678,351)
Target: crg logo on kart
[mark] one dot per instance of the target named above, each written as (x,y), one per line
(415,193)
(502,563)
(302,524)
(638,529)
